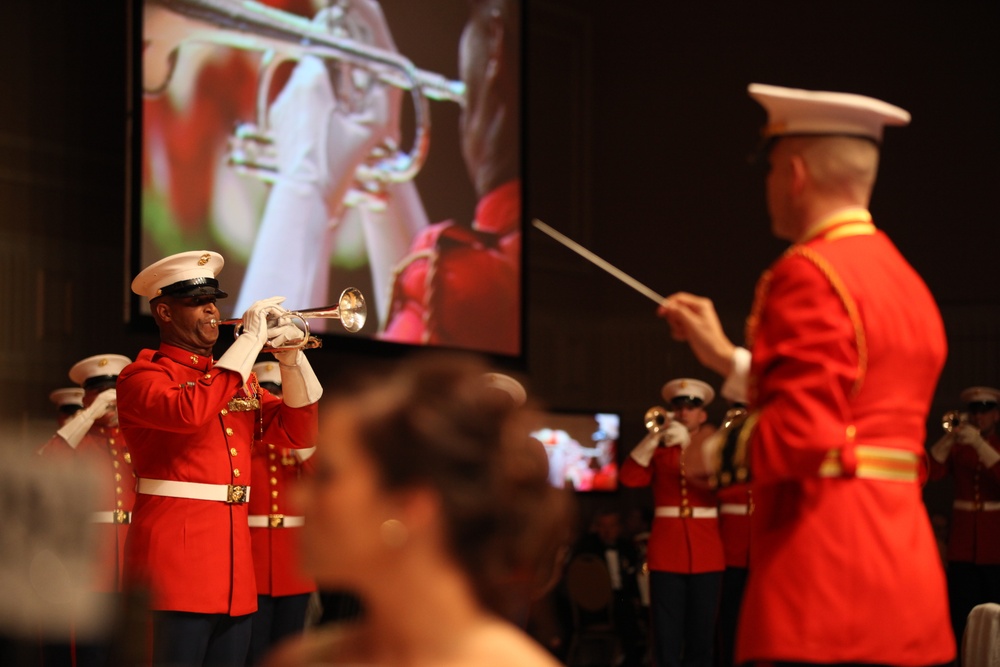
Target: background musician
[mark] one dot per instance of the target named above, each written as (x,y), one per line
(970,454)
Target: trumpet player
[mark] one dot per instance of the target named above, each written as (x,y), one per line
(685,554)
(970,454)
(91,438)
(190,421)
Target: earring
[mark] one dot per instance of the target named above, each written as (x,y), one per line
(393,533)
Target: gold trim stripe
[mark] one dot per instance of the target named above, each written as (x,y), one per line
(874,462)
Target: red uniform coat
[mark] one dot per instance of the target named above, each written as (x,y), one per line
(460,286)
(103,449)
(735,509)
(975,533)
(680,545)
(847,347)
(276,548)
(173,406)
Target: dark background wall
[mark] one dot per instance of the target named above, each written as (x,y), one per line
(638,131)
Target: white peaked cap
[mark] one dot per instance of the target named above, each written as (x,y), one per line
(268,371)
(99,366)
(185,274)
(792,111)
(980,395)
(689,388)
(67,396)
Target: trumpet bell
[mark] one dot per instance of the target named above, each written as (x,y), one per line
(656,419)
(953,419)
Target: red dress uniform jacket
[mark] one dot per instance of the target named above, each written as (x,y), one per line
(461,286)
(975,518)
(735,509)
(276,547)
(683,545)
(174,408)
(847,347)
(103,449)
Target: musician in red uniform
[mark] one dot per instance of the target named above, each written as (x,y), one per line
(459,285)
(845,348)
(970,453)
(684,554)
(283,590)
(91,437)
(191,421)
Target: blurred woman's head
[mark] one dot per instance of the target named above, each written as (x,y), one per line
(428,458)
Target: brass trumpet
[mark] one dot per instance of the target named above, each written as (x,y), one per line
(657,418)
(953,419)
(350,309)
(280,36)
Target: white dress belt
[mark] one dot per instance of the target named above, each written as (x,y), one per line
(275,521)
(734,508)
(972,506)
(226,493)
(687,511)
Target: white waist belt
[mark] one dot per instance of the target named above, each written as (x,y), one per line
(111,516)
(971,506)
(686,512)
(275,521)
(226,493)
(734,508)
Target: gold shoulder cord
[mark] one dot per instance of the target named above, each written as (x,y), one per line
(764,284)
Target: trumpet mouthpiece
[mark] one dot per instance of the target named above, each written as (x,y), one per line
(214,322)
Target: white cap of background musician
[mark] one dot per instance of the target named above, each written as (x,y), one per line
(507,384)
(98,371)
(688,390)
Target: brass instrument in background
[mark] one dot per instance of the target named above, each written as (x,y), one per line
(281,36)
(657,418)
(733,464)
(952,419)
(350,309)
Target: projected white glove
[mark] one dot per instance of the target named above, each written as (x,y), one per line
(969,435)
(242,354)
(78,426)
(322,134)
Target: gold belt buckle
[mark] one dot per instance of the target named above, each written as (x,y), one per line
(686,512)
(237,493)
(276,520)
(120,516)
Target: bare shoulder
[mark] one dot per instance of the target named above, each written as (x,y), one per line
(319,647)
(501,644)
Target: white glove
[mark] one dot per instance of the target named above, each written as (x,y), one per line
(242,354)
(969,435)
(78,426)
(941,449)
(282,333)
(303,454)
(299,385)
(676,433)
(643,452)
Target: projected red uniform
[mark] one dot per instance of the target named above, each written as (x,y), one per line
(460,286)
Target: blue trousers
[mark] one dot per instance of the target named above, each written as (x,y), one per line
(186,639)
(684,609)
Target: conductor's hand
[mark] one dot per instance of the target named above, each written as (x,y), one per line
(255,319)
(693,319)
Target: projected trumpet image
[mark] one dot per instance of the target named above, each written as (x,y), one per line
(294,136)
